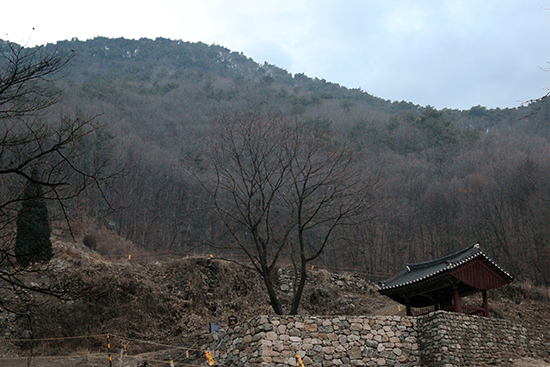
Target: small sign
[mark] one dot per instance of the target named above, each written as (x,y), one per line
(214,327)
(232,320)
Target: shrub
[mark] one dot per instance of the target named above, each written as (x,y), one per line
(90,241)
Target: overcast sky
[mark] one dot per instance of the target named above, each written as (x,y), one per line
(454,54)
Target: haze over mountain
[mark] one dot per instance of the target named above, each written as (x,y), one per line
(445,54)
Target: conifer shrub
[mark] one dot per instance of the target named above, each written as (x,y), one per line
(32,242)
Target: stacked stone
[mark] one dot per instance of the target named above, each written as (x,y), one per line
(450,340)
(320,341)
(439,339)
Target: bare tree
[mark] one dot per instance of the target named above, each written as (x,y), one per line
(63,152)
(283,188)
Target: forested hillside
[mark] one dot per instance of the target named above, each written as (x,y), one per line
(445,179)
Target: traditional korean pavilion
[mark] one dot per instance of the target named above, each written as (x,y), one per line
(441,282)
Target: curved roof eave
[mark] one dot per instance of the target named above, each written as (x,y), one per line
(429,269)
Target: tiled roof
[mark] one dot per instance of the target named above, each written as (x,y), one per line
(418,272)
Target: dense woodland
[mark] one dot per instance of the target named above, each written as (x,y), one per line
(445,178)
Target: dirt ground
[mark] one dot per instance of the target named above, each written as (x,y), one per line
(133,361)
(154,359)
(73,361)
(76,361)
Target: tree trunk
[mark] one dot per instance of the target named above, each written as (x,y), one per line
(275,303)
(300,289)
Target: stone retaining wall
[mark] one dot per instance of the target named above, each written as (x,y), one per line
(319,341)
(451,339)
(440,339)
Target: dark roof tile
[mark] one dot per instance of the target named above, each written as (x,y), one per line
(418,272)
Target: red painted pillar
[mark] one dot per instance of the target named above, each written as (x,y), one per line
(456,299)
(408,307)
(485,304)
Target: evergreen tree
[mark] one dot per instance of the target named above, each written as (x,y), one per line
(32,243)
